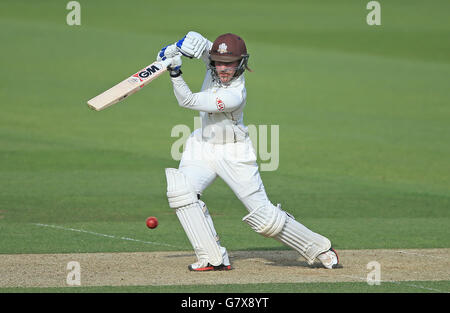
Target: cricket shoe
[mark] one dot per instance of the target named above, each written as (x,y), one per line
(329,259)
(198,267)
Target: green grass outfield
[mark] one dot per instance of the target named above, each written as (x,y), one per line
(363,113)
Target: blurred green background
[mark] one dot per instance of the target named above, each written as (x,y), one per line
(363,113)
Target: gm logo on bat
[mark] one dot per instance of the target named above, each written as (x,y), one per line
(146,72)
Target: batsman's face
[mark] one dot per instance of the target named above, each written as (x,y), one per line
(226,70)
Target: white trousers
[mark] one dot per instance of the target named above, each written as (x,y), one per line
(235,163)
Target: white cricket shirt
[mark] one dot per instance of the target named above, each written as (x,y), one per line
(221,107)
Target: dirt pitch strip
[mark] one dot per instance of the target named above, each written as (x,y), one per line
(170,268)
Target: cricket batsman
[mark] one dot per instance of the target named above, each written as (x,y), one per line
(222,148)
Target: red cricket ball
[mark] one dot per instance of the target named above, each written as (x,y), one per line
(152,222)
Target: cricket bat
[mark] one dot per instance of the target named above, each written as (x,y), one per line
(129,86)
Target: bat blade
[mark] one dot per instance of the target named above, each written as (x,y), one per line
(127,87)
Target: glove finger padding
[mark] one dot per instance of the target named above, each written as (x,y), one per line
(175,66)
(169,51)
(188,46)
(200,47)
(192,45)
(176,62)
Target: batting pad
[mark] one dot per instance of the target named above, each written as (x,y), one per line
(267,220)
(190,213)
(271,221)
(199,233)
(179,191)
(308,243)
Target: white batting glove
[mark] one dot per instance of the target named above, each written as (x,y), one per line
(175,65)
(169,51)
(192,45)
